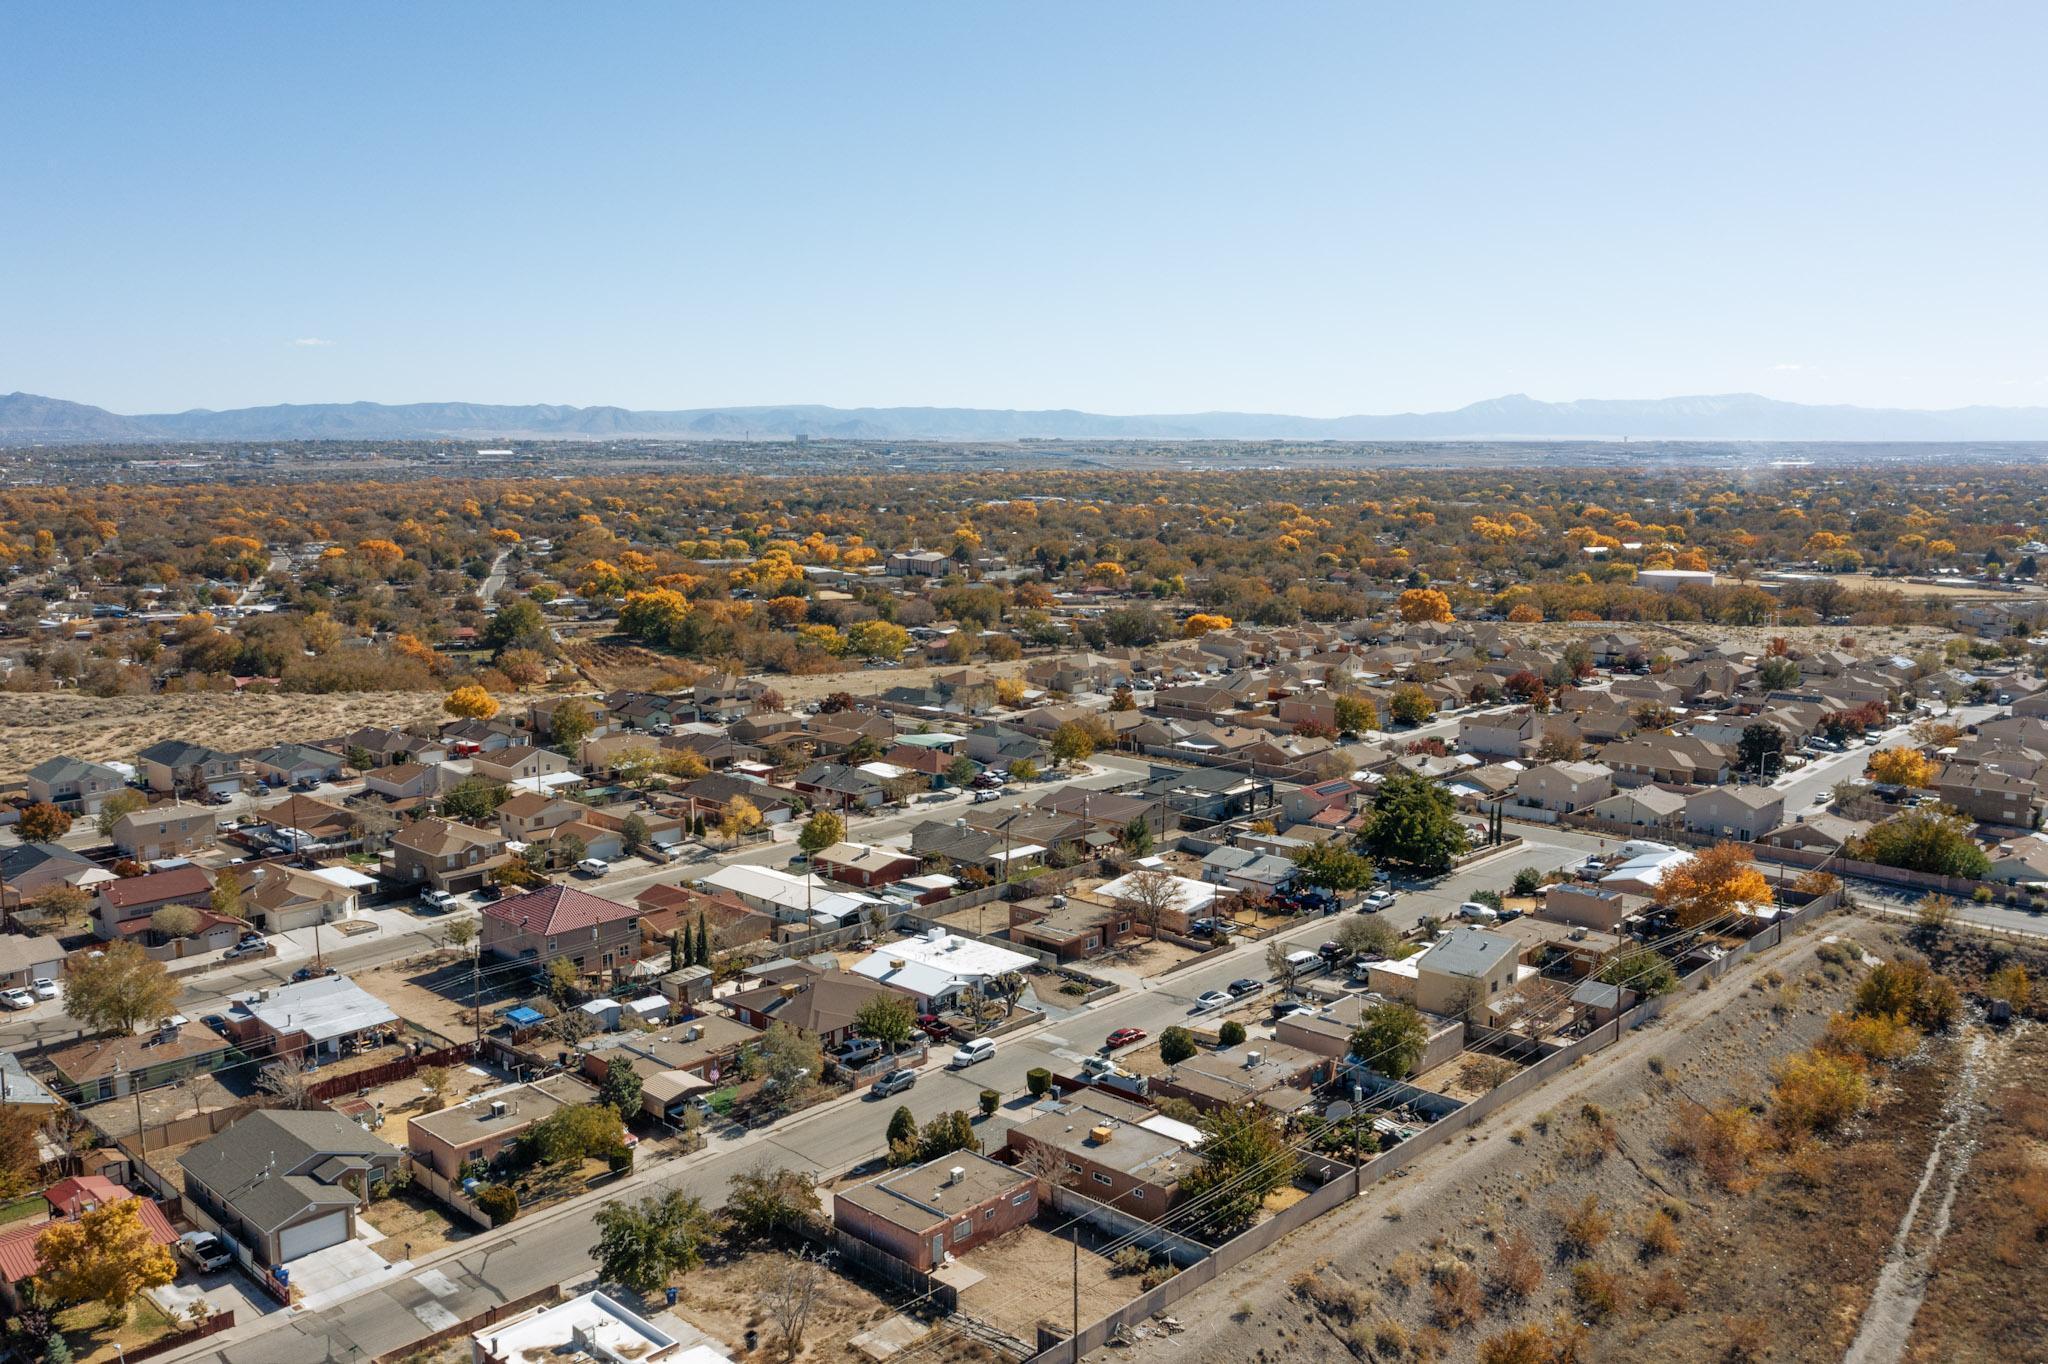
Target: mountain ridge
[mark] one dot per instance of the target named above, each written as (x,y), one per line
(27,418)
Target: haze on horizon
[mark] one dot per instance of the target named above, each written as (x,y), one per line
(1318,210)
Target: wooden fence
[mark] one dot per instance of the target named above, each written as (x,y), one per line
(402,1068)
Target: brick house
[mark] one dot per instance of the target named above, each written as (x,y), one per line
(860,864)
(560,921)
(479,1128)
(945,1207)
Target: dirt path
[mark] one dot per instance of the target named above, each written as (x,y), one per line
(1902,1282)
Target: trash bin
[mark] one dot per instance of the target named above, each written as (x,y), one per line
(673,1294)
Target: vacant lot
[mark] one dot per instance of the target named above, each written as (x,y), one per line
(1030,1278)
(731,1293)
(99,728)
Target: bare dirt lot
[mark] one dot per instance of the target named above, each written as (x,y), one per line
(1030,1277)
(99,728)
(1673,1265)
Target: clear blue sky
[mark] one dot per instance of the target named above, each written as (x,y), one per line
(1125,207)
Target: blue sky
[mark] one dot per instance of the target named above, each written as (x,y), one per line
(1129,207)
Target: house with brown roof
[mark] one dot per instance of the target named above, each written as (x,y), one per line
(866,865)
(161,831)
(1746,813)
(822,1004)
(445,855)
(529,815)
(562,922)
(112,1067)
(1116,1150)
(128,899)
(281,898)
(520,762)
(481,1127)
(945,1207)
(1069,928)
(731,922)
(67,1201)
(324,822)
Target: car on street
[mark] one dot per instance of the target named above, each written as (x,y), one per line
(1478,913)
(1212,999)
(1124,1037)
(973,1053)
(1330,951)
(1376,901)
(44,987)
(895,1082)
(17,999)
(984,797)
(1244,985)
(204,1251)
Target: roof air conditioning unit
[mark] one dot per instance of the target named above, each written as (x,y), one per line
(1100,1134)
(1252,1058)
(498,1108)
(956,1175)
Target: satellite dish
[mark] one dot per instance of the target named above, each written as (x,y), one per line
(1339,1111)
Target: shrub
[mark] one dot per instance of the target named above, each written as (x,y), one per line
(1038,1080)
(1585,1227)
(1231,1034)
(1660,1234)
(1131,1260)
(498,1202)
(1663,1293)
(1745,1340)
(1176,1044)
(2009,983)
(1454,1296)
(1517,1267)
(990,1101)
(1873,1037)
(1598,1292)
(1816,1092)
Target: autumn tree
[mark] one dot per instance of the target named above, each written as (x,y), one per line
(1711,883)
(1410,705)
(106,1255)
(42,822)
(1901,767)
(570,722)
(1072,742)
(122,802)
(117,988)
(1421,604)
(470,702)
(741,817)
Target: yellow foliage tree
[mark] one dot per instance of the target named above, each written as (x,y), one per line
(1710,883)
(1420,604)
(470,702)
(1901,767)
(742,816)
(106,1256)
(1202,622)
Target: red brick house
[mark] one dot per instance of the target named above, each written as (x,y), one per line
(947,1207)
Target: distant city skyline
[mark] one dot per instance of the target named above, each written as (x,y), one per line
(1317,209)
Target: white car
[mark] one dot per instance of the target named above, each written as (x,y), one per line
(437,899)
(1378,900)
(1213,999)
(1477,912)
(593,866)
(44,987)
(17,999)
(980,1049)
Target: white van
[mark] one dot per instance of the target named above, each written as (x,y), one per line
(593,866)
(980,1049)
(1298,962)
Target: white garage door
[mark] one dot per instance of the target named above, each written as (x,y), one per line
(308,1237)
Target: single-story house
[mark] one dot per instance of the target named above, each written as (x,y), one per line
(480,1127)
(945,1207)
(315,1020)
(287,1183)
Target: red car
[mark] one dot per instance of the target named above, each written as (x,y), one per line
(1123,1037)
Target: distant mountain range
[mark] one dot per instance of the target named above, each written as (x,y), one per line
(26,418)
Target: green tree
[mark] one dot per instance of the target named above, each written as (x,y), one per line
(675,949)
(1760,746)
(902,1126)
(111,809)
(117,988)
(472,800)
(577,1132)
(1777,673)
(1413,823)
(1390,1040)
(765,1202)
(518,624)
(888,1019)
(1023,769)
(962,770)
(1176,1044)
(786,1059)
(945,1134)
(1231,1034)
(821,831)
(621,1090)
(563,979)
(570,724)
(1137,837)
(1642,970)
(633,834)
(990,1101)
(1333,866)
(1930,839)
(643,1246)
(1361,934)
(1244,1158)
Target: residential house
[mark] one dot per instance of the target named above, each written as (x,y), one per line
(963,846)
(129,900)
(1676,759)
(309,1021)
(477,1130)
(73,784)
(410,782)
(1511,734)
(1992,796)
(939,968)
(520,763)
(445,855)
(591,1326)
(529,815)
(28,869)
(294,764)
(1651,807)
(2022,862)
(1744,813)
(286,1183)
(162,831)
(1466,971)
(683,1060)
(1274,1075)
(865,865)
(1328,1031)
(597,935)
(945,1207)
(835,786)
(25,959)
(1819,832)
(1115,1150)
(281,898)
(822,1004)
(1070,929)
(68,1200)
(318,820)
(1564,787)
(113,1067)
(731,922)
(174,767)
(1600,909)
(1249,871)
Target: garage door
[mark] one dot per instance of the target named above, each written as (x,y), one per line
(308,1237)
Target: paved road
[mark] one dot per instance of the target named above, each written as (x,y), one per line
(494,581)
(554,1246)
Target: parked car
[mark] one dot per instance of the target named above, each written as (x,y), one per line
(984,797)
(593,866)
(1376,901)
(309,972)
(1245,985)
(204,1250)
(1478,913)
(243,949)
(895,1082)
(980,1049)
(17,998)
(1124,1037)
(1330,951)
(1212,999)
(934,1027)
(437,899)
(857,1052)
(44,987)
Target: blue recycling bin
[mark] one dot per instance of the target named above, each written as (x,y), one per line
(673,1294)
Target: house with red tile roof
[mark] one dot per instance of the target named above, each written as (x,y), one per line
(69,1200)
(598,935)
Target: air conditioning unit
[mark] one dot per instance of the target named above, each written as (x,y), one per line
(499,1108)
(1100,1134)
(1252,1058)
(956,1175)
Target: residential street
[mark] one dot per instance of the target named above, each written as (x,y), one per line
(554,1246)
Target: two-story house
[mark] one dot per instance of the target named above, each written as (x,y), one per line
(159,831)
(597,935)
(445,855)
(73,784)
(175,767)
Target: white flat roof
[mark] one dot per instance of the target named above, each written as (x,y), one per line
(592,1319)
(322,1008)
